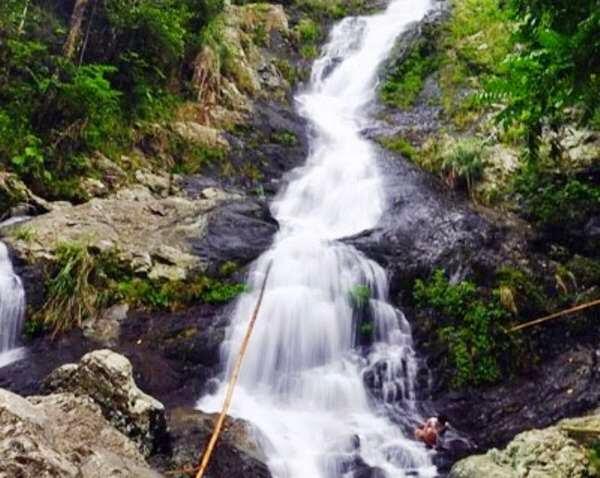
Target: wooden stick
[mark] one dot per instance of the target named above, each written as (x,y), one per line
(233,379)
(556,315)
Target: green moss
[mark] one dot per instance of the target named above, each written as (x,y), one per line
(287,70)
(400,145)
(472,46)
(285,138)
(308,35)
(360,296)
(192,158)
(367,329)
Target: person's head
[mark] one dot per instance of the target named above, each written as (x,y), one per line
(442,420)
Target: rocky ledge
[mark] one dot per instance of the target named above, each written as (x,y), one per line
(563,450)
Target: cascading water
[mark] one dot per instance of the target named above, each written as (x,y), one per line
(325,323)
(12,310)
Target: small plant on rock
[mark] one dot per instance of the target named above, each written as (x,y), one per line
(464,162)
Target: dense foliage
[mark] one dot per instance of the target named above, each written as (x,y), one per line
(68,89)
(472,328)
(555,65)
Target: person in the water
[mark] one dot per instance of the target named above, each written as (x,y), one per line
(430,431)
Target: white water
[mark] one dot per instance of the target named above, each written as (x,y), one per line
(302,382)
(12,310)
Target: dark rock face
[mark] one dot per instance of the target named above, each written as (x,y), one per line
(568,385)
(173,354)
(275,141)
(237,454)
(424,228)
(239,231)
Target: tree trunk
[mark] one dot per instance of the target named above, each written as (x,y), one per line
(23,18)
(77,18)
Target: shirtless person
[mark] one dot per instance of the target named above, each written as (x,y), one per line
(431,430)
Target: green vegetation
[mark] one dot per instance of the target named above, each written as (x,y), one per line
(285,138)
(68,90)
(520,75)
(472,328)
(360,296)
(406,79)
(309,34)
(81,284)
(464,162)
(400,145)
(472,47)
(556,66)
(332,9)
(552,198)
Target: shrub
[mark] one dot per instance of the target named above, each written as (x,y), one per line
(71,297)
(471,328)
(464,162)
(360,296)
(555,199)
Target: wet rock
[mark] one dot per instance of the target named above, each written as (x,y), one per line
(157,183)
(105,330)
(63,435)
(239,452)
(566,385)
(424,228)
(239,231)
(107,378)
(550,452)
(92,187)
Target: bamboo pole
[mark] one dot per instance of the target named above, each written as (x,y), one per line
(232,381)
(555,316)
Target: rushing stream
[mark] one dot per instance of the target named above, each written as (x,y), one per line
(12,310)
(325,323)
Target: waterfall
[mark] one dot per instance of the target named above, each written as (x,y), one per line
(12,310)
(326,327)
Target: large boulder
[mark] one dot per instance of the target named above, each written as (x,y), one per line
(555,452)
(107,378)
(63,436)
(239,450)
